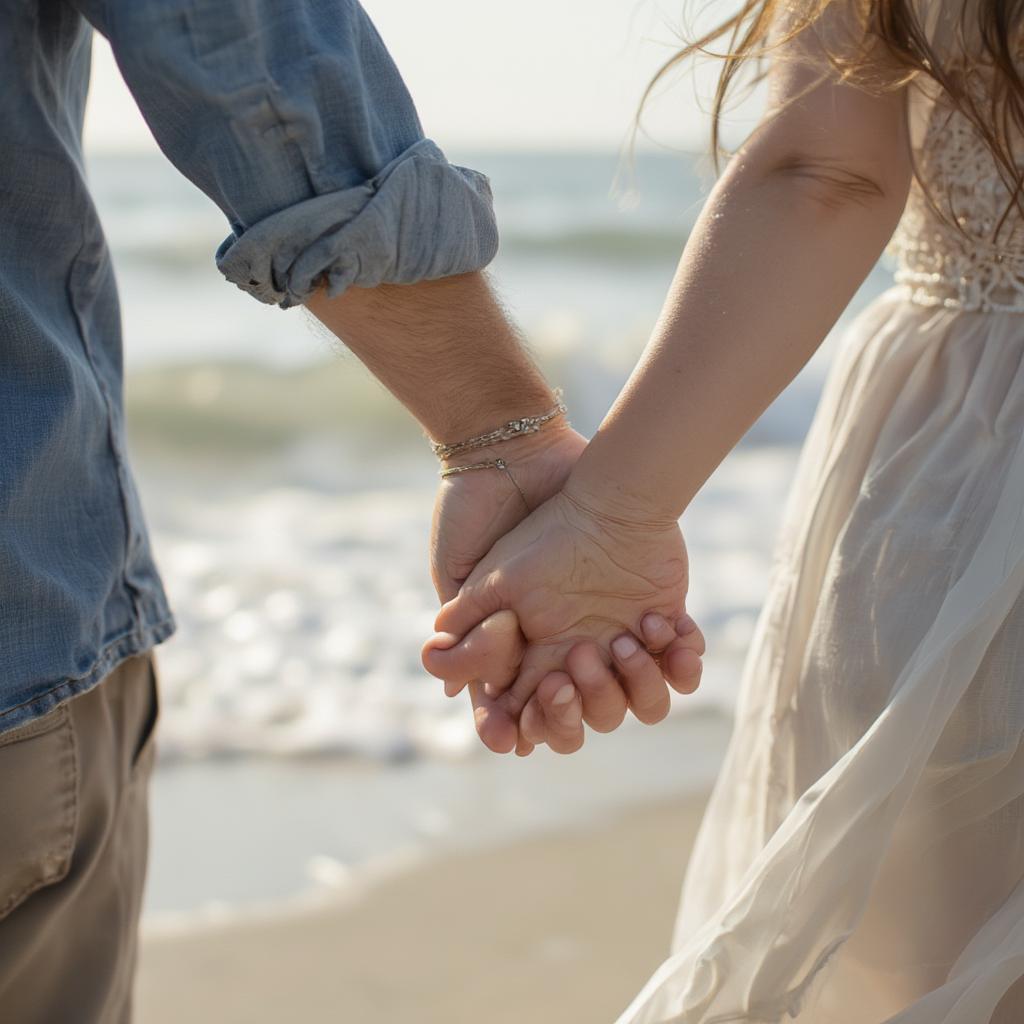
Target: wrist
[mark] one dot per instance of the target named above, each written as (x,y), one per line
(445,349)
(538,465)
(507,431)
(515,451)
(604,495)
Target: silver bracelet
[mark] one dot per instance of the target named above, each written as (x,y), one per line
(514,428)
(489,464)
(499,464)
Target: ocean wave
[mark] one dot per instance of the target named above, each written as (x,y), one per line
(232,408)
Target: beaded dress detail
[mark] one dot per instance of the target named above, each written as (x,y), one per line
(968,253)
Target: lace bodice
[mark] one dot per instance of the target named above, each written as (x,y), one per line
(963,266)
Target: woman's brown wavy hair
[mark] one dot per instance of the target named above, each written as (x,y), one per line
(883,45)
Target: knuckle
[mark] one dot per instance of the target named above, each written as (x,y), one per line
(566,745)
(513,702)
(685,664)
(585,665)
(651,706)
(608,722)
(605,702)
(657,630)
(593,684)
(651,716)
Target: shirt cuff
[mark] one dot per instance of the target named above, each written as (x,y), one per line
(421,218)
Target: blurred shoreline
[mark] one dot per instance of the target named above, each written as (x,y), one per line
(584,917)
(239,838)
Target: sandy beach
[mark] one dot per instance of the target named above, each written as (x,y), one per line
(561,928)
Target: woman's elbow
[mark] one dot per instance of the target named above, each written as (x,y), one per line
(837,185)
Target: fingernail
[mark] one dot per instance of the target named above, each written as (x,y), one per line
(564,695)
(625,647)
(480,716)
(685,625)
(491,690)
(451,689)
(652,620)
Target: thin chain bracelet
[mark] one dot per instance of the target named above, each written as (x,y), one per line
(514,428)
(499,464)
(489,464)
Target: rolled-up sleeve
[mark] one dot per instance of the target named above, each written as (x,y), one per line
(291,116)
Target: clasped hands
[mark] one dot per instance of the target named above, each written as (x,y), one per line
(561,607)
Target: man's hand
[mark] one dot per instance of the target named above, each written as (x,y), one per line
(474,510)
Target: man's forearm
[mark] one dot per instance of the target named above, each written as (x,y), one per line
(445,349)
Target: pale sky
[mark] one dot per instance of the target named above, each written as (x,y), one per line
(529,74)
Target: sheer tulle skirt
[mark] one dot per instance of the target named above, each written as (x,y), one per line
(862,856)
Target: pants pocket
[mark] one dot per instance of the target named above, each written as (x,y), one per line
(38,806)
(145,744)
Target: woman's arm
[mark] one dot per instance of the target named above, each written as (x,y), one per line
(797,221)
(791,230)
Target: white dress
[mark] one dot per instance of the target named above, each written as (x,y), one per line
(862,857)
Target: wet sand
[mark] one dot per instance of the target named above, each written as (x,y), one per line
(561,928)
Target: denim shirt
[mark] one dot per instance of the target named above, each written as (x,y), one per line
(292,118)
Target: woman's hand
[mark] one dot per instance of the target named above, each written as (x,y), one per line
(637,678)
(571,573)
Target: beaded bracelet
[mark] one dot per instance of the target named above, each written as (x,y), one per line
(514,428)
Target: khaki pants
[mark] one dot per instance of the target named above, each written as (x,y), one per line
(73,846)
